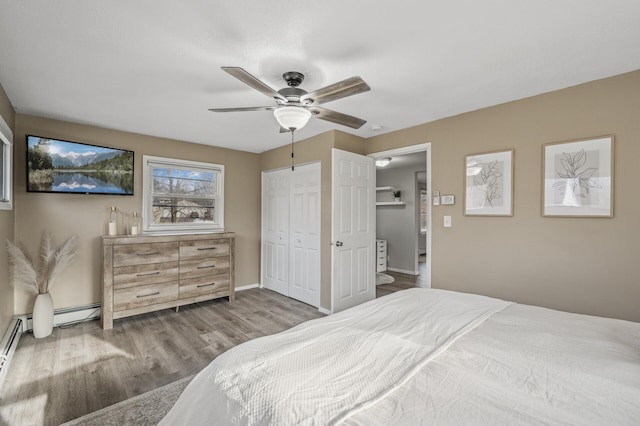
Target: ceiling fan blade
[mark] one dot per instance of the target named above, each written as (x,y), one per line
(265,108)
(342,89)
(252,81)
(337,117)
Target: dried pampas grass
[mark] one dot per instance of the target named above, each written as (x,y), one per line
(53,261)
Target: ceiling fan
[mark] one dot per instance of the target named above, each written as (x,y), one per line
(295,106)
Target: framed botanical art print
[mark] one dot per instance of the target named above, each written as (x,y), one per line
(577,178)
(489,184)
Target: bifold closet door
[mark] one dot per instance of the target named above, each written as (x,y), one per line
(304,232)
(275,230)
(291,232)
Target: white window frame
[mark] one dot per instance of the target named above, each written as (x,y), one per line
(6,168)
(148,227)
(423,214)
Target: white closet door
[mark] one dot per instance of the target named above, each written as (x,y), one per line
(275,230)
(304,284)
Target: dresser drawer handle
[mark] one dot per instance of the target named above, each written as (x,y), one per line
(206,248)
(206,267)
(149,273)
(149,253)
(147,295)
(205,285)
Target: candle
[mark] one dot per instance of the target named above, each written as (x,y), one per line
(113,228)
(134,230)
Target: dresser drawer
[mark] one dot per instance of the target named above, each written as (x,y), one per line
(204,285)
(204,248)
(152,273)
(204,267)
(134,297)
(139,254)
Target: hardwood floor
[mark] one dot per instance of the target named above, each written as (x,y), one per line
(404,281)
(82,368)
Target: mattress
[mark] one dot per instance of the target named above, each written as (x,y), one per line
(425,356)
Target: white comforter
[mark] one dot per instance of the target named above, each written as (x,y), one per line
(426,357)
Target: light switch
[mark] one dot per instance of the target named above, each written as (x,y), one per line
(447,221)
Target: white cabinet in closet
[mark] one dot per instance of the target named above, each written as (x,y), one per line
(381,255)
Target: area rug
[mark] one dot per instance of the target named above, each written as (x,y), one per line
(146,409)
(384,278)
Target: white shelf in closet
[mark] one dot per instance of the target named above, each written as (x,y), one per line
(390,203)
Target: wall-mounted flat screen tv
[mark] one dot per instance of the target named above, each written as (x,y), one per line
(59,166)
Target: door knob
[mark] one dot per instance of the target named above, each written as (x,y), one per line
(338,243)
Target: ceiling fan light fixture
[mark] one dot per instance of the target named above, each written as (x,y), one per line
(383,162)
(292,117)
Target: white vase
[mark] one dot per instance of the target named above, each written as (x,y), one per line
(43,315)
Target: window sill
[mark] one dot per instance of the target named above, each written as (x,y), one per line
(182,231)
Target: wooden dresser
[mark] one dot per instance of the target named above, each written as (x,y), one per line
(147,273)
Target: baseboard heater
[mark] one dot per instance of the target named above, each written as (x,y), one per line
(66,316)
(8,346)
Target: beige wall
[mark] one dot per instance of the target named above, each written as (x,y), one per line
(317,149)
(6,232)
(67,214)
(580,265)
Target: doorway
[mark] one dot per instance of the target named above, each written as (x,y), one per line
(404,222)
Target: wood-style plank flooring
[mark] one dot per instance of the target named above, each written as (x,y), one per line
(82,368)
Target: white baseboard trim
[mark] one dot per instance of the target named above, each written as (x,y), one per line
(8,346)
(247,287)
(324,311)
(403,271)
(66,316)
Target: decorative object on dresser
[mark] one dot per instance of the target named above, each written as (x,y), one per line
(148,273)
(41,278)
(115,221)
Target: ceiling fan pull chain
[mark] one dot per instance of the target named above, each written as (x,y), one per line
(292,130)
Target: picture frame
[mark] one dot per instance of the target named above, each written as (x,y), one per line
(488,179)
(577,178)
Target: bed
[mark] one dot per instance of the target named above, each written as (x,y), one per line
(426,356)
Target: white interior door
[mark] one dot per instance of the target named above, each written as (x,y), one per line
(352,230)
(304,284)
(275,230)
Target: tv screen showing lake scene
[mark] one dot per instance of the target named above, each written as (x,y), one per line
(60,166)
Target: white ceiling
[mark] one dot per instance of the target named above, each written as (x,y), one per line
(153,67)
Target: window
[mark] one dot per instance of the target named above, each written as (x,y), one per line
(424,203)
(6,139)
(182,196)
